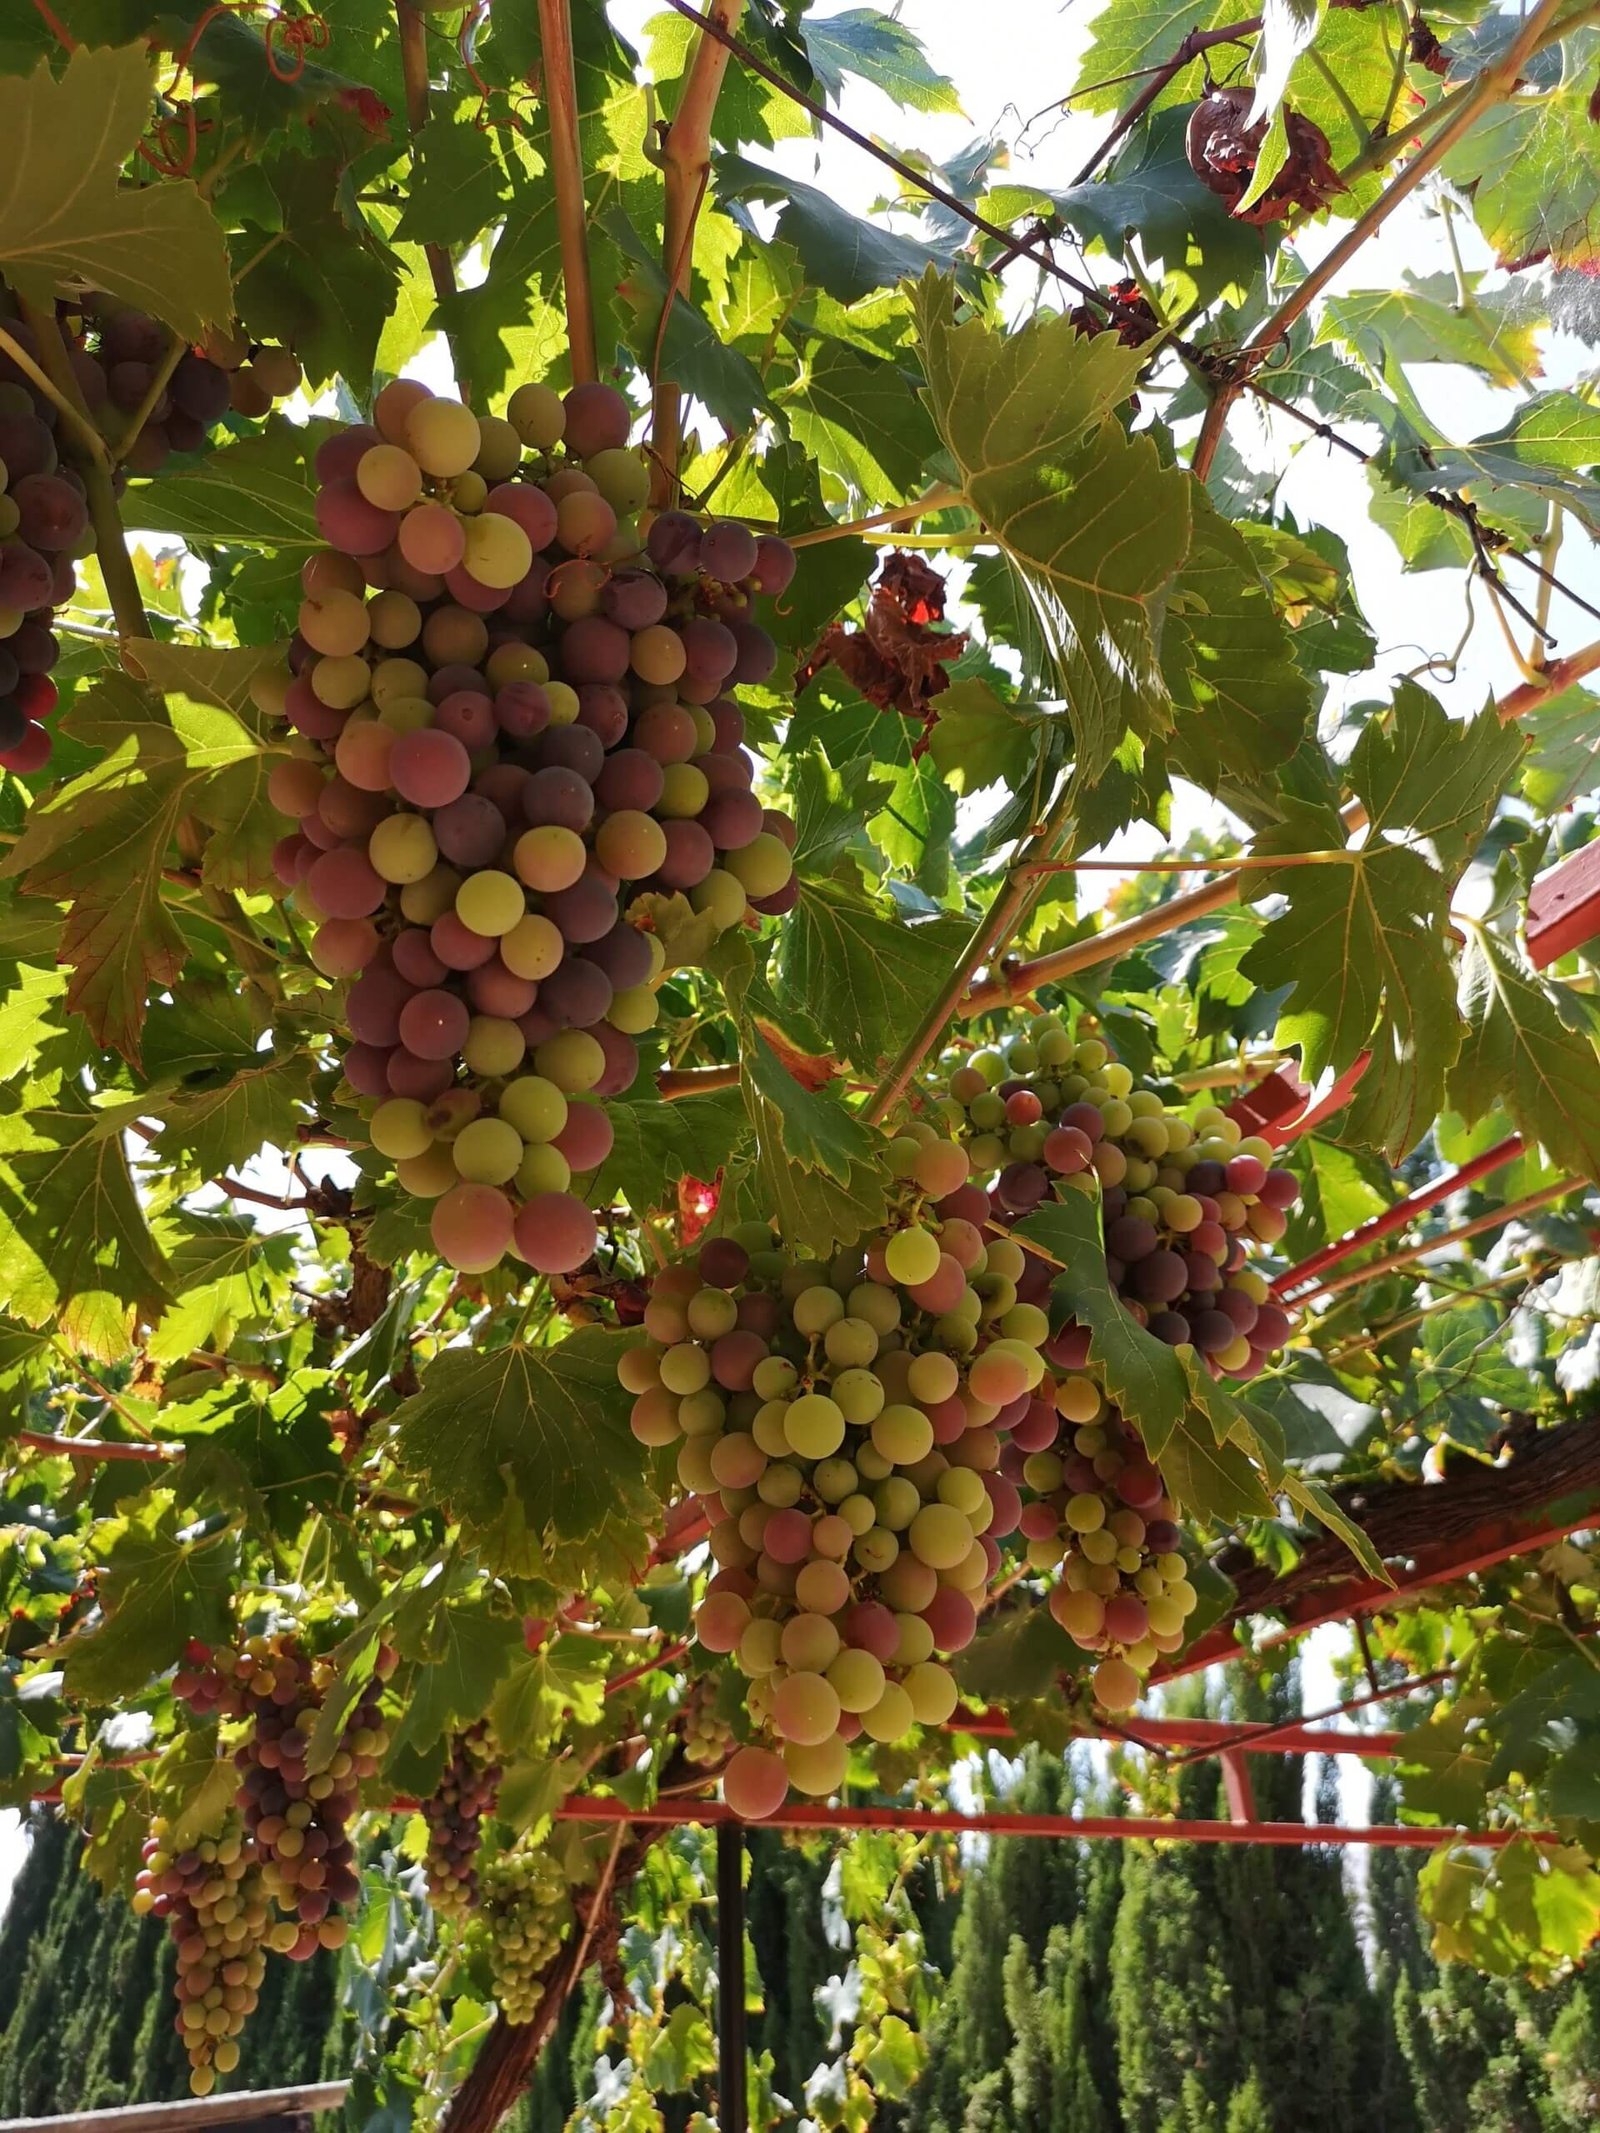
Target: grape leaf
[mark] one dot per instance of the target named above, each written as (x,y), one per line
(259,493)
(839,252)
(691,351)
(324,285)
(656,1144)
(1138,35)
(539,1433)
(1423,321)
(458,183)
(1094,522)
(257,1106)
(1228,660)
(74,1242)
(819,1171)
(100,843)
(157,1587)
(1432,776)
(862,421)
(462,1649)
(1532,168)
(865,974)
(877,49)
(1565,756)
(65,217)
(1523,1052)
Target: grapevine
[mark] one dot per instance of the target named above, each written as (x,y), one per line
(454,1813)
(1185,1196)
(844,1424)
(515,753)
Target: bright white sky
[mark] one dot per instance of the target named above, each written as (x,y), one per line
(1008,59)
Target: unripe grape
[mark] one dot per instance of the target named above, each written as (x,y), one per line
(806,1709)
(443,437)
(816,1768)
(892,1717)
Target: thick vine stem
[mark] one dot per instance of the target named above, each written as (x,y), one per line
(1491,86)
(110,543)
(686,168)
(505,2065)
(414,68)
(1002,986)
(1549,681)
(1009,907)
(566,172)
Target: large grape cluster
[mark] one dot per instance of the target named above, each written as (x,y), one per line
(44,525)
(454,1813)
(843,1425)
(296,1797)
(1184,1196)
(525,1913)
(1098,1507)
(213,1895)
(513,727)
(708,1738)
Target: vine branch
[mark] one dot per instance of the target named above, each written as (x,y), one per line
(414,69)
(686,169)
(566,171)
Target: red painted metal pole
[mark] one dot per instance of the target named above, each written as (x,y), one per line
(1209,1736)
(815,1814)
(1401,1213)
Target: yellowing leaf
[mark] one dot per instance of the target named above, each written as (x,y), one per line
(66,217)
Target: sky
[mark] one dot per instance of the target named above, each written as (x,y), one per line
(1008,61)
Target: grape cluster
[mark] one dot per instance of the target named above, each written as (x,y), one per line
(1097,1505)
(512,725)
(214,1898)
(525,1913)
(44,526)
(453,1813)
(1184,1197)
(843,1424)
(708,1739)
(116,354)
(296,1800)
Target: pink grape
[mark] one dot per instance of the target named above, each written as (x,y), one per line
(470,717)
(603,711)
(494,990)
(555,1233)
(346,520)
(522,710)
(598,419)
(469,831)
(586,1138)
(366,1069)
(372,1007)
(434,1024)
(432,538)
(530,507)
(429,768)
(456,945)
(558,797)
(345,884)
(415,959)
(423,1079)
(342,946)
(952,1618)
(755,1784)
(471,1227)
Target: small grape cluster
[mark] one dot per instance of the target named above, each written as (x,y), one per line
(213,1896)
(453,1813)
(843,1424)
(512,734)
(1183,1197)
(44,525)
(708,1739)
(296,1802)
(117,353)
(525,1913)
(1097,1505)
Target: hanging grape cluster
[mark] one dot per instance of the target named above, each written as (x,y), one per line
(526,1913)
(1098,1507)
(708,1738)
(1184,1197)
(454,1813)
(218,1910)
(843,1423)
(44,525)
(117,355)
(513,726)
(296,1797)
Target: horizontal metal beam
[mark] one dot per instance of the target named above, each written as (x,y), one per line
(190,2114)
(711,1814)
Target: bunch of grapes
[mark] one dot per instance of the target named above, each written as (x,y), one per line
(215,1901)
(296,1801)
(44,526)
(708,1739)
(513,726)
(116,354)
(1098,1507)
(525,1913)
(1183,1197)
(843,1424)
(453,1813)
